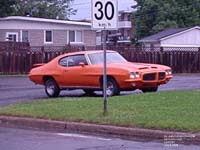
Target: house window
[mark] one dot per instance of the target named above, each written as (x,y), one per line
(75,36)
(48,37)
(79,36)
(12,36)
(72,36)
(25,36)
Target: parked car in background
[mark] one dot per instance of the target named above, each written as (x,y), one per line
(84,70)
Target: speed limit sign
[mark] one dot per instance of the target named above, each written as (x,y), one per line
(104,14)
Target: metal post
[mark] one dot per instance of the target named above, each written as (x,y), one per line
(104,74)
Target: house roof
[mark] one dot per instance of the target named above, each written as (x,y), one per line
(164,34)
(125,11)
(45,20)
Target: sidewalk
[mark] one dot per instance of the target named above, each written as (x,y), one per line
(122,132)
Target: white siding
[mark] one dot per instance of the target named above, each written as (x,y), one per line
(190,38)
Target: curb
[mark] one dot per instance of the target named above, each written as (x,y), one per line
(168,137)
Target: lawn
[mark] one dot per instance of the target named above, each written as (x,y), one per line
(172,110)
(13,75)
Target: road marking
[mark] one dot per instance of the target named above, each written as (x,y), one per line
(83,136)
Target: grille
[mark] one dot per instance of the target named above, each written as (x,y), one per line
(161,75)
(149,77)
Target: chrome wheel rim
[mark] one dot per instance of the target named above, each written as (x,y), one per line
(50,88)
(109,89)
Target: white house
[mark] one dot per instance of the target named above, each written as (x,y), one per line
(122,36)
(180,37)
(46,32)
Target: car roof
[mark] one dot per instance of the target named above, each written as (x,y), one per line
(84,52)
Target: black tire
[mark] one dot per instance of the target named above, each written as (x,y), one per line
(112,87)
(89,92)
(51,88)
(149,89)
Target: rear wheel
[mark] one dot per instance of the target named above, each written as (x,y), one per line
(149,89)
(112,87)
(51,88)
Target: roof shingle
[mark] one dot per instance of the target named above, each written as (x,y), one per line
(156,37)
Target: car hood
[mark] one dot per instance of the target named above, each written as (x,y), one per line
(136,66)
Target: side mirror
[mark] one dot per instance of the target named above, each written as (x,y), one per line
(82,64)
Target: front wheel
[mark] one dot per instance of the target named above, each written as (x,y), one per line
(51,88)
(112,87)
(149,89)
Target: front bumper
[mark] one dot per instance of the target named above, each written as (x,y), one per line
(146,82)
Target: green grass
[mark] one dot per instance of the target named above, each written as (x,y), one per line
(13,75)
(174,110)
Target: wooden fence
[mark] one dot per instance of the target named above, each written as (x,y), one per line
(179,61)
(14,46)
(12,62)
(22,62)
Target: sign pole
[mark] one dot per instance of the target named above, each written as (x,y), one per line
(104,16)
(104,74)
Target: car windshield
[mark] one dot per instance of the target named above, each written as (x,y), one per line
(111,57)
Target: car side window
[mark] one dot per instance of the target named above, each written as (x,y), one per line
(74,60)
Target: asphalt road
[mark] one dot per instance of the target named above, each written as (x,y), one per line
(20,89)
(19,139)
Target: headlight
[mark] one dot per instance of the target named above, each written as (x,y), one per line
(168,72)
(134,75)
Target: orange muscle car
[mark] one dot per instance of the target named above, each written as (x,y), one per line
(84,70)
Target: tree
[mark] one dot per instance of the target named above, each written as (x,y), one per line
(152,16)
(6,7)
(53,9)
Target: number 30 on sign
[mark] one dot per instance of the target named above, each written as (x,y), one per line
(104,14)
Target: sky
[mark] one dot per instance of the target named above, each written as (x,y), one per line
(84,8)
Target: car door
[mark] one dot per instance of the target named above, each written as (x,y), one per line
(72,71)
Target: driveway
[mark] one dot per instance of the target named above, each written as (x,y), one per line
(20,89)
